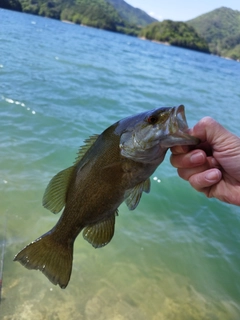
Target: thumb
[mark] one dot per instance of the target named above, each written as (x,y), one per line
(208,129)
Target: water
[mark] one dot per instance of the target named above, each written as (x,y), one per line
(177,255)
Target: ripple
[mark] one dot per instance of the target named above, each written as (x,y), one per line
(177,254)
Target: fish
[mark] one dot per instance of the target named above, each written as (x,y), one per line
(110,168)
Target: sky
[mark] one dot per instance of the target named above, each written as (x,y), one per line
(181,10)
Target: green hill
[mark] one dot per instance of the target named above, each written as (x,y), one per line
(130,14)
(221,29)
(175,33)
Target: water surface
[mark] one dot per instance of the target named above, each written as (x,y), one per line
(177,255)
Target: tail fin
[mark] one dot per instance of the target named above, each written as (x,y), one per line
(52,257)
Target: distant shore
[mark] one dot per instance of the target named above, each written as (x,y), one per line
(67,21)
(168,44)
(77,24)
(156,41)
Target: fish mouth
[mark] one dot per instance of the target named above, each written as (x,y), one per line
(178,129)
(178,118)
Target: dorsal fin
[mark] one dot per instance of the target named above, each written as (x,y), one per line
(84,148)
(133,196)
(54,198)
(100,234)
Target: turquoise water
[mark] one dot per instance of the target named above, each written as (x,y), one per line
(177,256)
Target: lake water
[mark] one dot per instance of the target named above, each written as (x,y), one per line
(177,256)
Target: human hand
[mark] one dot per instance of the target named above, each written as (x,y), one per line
(213,166)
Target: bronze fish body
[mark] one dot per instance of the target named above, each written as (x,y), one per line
(112,167)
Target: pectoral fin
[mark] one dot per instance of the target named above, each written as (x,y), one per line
(133,196)
(101,233)
(54,197)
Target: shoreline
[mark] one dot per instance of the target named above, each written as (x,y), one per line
(168,44)
(67,21)
(165,43)
(77,24)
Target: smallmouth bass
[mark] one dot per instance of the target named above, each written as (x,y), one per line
(110,168)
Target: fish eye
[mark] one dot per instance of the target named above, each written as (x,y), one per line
(152,119)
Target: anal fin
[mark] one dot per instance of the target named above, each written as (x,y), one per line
(101,233)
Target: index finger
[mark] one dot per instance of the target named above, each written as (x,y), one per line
(188,160)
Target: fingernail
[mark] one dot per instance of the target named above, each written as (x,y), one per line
(197,158)
(212,176)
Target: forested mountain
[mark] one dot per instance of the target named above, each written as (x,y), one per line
(175,33)
(130,14)
(221,29)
